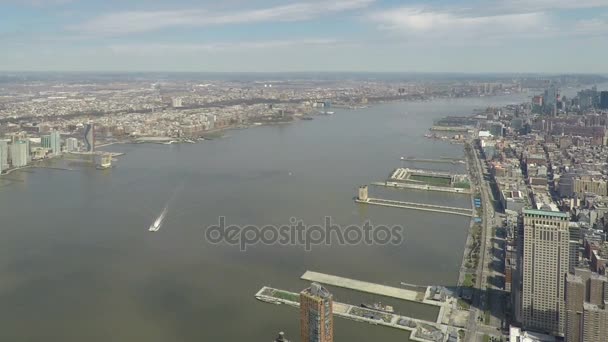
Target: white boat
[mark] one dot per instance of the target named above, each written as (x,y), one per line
(329,113)
(154,227)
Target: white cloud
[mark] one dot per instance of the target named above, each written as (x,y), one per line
(37,3)
(144,21)
(548,5)
(458,24)
(159,48)
(591,27)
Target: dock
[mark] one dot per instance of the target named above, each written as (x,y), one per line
(362,286)
(400,185)
(425,160)
(417,206)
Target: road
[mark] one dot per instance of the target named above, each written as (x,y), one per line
(488,298)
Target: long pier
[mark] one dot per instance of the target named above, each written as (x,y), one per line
(364,286)
(401,185)
(423,160)
(417,206)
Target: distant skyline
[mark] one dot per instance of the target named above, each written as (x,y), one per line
(464,36)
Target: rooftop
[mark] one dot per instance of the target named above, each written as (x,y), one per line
(316,290)
(518,335)
(557,214)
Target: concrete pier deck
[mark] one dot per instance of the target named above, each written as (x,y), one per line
(367,287)
(426,160)
(400,185)
(417,206)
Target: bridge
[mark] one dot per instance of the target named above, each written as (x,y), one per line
(417,206)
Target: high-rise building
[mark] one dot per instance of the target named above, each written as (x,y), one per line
(604,100)
(71,144)
(588,98)
(56,142)
(28,151)
(89,137)
(316,314)
(545,264)
(176,102)
(3,154)
(586,313)
(550,99)
(575,298)
(19,155)
(45,141)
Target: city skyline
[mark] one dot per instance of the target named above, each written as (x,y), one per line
(304,35)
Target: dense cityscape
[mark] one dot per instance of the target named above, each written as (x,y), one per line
(41,119)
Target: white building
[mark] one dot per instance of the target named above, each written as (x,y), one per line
(56,142)
(518,335)
(19,155)
(176,102)
(3,154)
(71,144)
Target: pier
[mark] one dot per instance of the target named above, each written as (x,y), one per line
(424,160)
(399,185)
(416,206)
(420,330)
(363,286)
(451,129)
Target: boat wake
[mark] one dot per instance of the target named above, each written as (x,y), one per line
(154,227)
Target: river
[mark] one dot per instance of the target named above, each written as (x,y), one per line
(78,264)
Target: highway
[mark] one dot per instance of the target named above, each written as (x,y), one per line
(487,296)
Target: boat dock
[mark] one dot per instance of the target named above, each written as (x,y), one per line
(420,330)
(417,206)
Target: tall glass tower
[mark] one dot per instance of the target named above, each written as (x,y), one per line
(89,137)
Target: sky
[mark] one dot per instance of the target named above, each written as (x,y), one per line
(470,36)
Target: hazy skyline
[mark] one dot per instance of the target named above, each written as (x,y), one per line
(545,36)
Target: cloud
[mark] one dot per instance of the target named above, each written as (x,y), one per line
(591,27)
(458,24)
(37,3)
(548,5)
(156,48)
(144,21)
